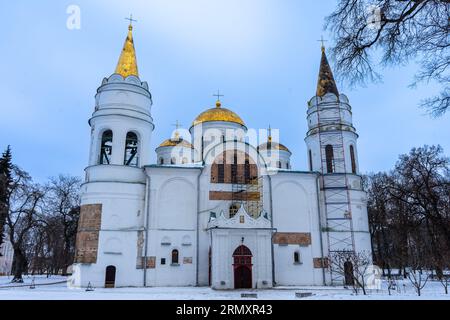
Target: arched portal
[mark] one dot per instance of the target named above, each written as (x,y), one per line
(110,277)
(242,264)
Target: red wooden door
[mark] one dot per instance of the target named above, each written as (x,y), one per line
(243,277)
(110,277)
(242,258)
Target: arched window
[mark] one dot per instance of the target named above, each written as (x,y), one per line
(131,150)
(173,161)
(175,257)
(106,147)
(279,164)
(352,158)
(288,166)
(247,171)
(310,160)
(234,208)
(161,161)
(329,157)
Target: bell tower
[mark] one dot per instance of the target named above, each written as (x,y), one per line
(332,151)
(113,197)
(121,125)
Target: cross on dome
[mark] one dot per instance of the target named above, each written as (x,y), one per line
(218,95)
(322,40)
(131,20)
(177,126)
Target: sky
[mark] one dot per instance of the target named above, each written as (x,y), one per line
(263,55)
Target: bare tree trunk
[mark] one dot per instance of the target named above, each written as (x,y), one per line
(18,265)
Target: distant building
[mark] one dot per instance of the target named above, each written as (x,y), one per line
(6,258)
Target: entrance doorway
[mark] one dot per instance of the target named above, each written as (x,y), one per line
(110,277)
(242,263)
(348,271)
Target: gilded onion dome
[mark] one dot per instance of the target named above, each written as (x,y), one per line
(273,146)
(218,114)
(270,145)
(180,142)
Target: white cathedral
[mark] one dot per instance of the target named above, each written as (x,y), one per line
(215,210)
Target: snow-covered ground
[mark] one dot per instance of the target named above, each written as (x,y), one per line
(59,291)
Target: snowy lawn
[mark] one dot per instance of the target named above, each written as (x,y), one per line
(59,291)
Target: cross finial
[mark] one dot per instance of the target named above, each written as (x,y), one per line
(177,133)
(131,20)
(177,125)
(322,40)
(218,95)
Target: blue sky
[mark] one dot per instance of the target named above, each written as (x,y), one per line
(262,54)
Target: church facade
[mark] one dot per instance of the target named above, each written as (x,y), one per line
(215,209)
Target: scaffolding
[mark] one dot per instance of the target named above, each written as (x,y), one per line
(249,195)
(334,183)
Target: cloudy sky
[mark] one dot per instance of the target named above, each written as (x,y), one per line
(262,54)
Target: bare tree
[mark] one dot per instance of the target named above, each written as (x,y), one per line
(401,31)
(418,273)
(63,210)
(441,266)
(422,183)
(354,267)
(5,185)
(23,200)
(378,211)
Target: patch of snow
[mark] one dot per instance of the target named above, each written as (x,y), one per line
(432,291)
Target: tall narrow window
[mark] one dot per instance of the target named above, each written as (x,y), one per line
(106,147)
(221,173)
(279,164)
(247,171)
(175,256)
(173,160)
(297,257)
(131,150)
(234,168)
(352,158)
(221,170)
(202,148)
(161,161)
(310,160)
(329,157)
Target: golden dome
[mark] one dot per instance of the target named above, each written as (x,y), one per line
(176,143)
(273,146)
(218,114)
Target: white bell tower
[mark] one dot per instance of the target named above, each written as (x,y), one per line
(332,151)
(121,124)
(112,218)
